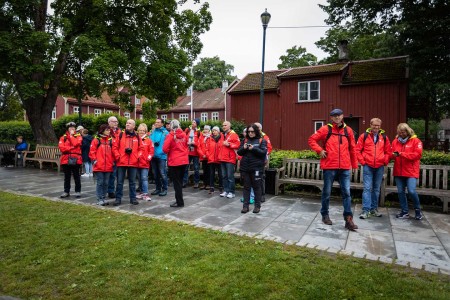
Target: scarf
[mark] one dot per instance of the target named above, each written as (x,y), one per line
(403,141)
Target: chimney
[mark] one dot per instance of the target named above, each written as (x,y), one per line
(343,51)
(224,86)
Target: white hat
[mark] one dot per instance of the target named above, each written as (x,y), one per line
(79,128)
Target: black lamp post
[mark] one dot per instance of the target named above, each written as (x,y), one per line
(265,19)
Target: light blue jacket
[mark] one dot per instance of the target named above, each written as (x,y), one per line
(158,136)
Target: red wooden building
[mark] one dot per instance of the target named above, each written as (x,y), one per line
(298,101)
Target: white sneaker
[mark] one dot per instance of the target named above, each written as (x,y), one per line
(231,195)
(91,174)
(145,197)
(224,194)
(139,196)
(85,175)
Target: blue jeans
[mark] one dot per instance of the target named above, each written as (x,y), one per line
(112,180)
(343,176)
(410,184)
(88,167)
(372,178)
(160,173)
(131,182)
(102,184)
(228,176)
(196,162)
(143,179)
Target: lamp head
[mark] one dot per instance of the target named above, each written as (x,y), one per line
(265,18)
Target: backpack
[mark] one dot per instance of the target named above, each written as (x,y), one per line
(99,141)
(367,134)
(330,132)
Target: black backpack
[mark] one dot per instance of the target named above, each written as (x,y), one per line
(330,132)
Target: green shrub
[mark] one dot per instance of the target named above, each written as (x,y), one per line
(9,130)
(435,158)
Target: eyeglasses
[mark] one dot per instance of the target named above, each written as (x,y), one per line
(250,131)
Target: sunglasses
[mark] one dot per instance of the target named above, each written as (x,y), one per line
(251,131)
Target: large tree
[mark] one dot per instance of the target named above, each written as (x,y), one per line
(297,57)
(74,47)
(420,30)
(210,72)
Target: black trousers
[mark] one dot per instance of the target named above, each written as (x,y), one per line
(177,173)
(206,176)
(68,171)
(252,180)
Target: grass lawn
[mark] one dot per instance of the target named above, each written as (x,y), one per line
(56,250)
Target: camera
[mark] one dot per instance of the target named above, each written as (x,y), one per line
(128,150)
(248,145)
(156,144)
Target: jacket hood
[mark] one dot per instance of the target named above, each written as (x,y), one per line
(179,133)
(369,130)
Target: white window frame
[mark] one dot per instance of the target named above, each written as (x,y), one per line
(97,112)
(137,100)
(318,124)
(108,111)
(309,91)
(163,117)
(215,116)
(54,113)
(184,117)
(127,115)
(76,109)
(204,117)
(141,117)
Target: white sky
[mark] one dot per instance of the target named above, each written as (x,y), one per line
(236,33)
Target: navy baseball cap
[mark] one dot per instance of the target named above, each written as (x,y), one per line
(336,112)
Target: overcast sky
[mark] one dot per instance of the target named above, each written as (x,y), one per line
(236,33)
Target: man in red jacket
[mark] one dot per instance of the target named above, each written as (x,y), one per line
(373,151)
(227,158)
(127,148)
(337,157)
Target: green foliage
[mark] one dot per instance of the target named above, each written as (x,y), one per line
(149,109)
(10,106)
(276,157)
(297,57)
(418,125)
(435,158)
(11,129)
(210,72)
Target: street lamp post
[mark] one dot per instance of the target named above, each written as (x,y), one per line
(265,18)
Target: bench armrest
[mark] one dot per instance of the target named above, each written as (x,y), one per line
(280,171)
(25,153)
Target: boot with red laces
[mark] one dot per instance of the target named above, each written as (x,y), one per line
(349,223)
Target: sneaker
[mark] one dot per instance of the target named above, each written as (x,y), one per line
(211,191)
(419,215)
(77,194)
(85,175)
(64,195)
(375,213)
(145,197)
(253,200)
(402,215)
(196,186)
(231,195)
(156,192)
(117,202)
(101,202)
(244,210)
(326,220)
(349,223)
(91,174)
(139,195)
(256,210)
(364,215)
(224,194)
(134,202)
(163,193)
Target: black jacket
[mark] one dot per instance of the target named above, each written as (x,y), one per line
(253,160)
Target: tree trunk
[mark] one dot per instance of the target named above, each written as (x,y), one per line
(39,113)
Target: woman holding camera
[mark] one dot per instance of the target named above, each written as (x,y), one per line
(253,150)
(407,152)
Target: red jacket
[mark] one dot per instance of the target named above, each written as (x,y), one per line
(123,141)
(371,154)
(213,149)
(269,144)
(202,146)
(176,148)
(147,153)
(70,145)
(407,164)
(340,149)
(102,154)
(194,149)
(228,153)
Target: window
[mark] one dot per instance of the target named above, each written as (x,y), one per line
(163,117)
(317,125)
(204,117)
(141,117)
(108,111)
(54,113)
(126,115)
(76,109)
(97,112)
(215,116)
(184,117)
(309,91)
(137,100)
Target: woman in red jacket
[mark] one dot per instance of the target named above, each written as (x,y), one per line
(213,149)
(70,146)
(144,161)
(176,148)
(407,152)
(201,149)
(102,159)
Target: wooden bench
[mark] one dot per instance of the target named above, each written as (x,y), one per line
(5,148)
(308,172)
(433,181)
(43,154)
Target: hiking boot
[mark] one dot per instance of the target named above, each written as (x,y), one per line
(419,215)
(375,213)
(134,202)
(163,193)
(364,215)
(326,220)
(156,192)
(402,215)
(349,223)
(223,194)
(256,210)
(112,195)
(117,202)
(244,210)
(64,195)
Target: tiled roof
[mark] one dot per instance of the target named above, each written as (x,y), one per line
(211,99)
(252,81)
(394,68)
(319,69)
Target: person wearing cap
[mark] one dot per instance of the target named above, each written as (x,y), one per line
(337,158)
(203,142)
(227,159)
(193,136)
(373,151)
(70,147)
(114,131)
(176,148)
(212,151)
(159,160)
